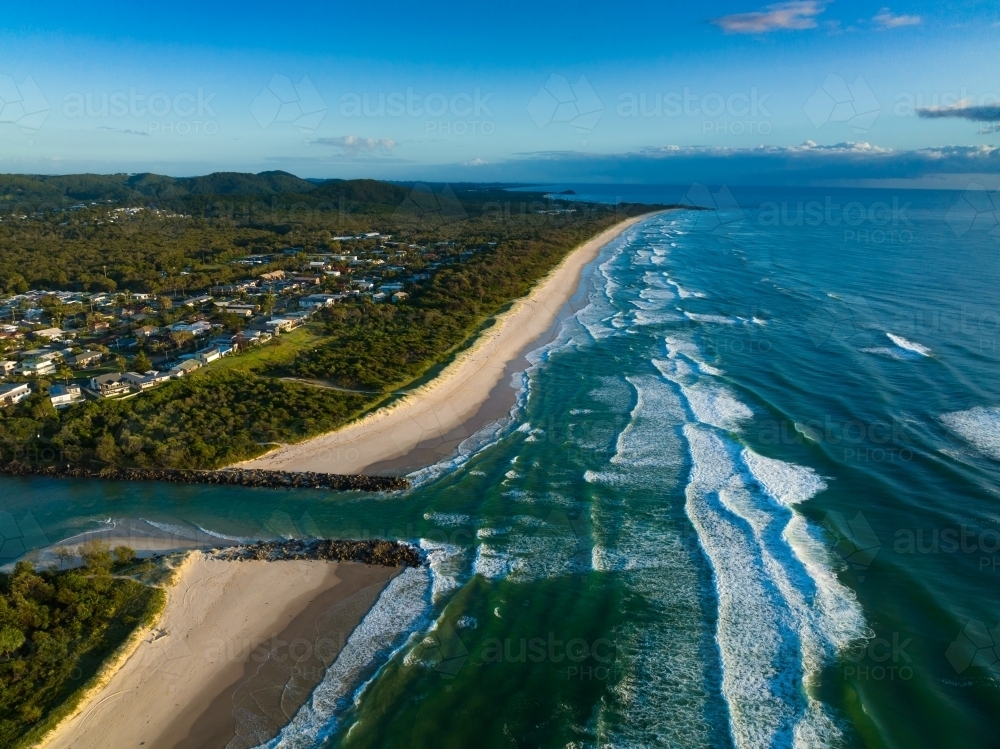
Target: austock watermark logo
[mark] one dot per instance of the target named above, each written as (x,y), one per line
(875,441)
(976,210)
(733,114)
(160,113)
(463,113)
(854,541)
(880,659)
(22,104)
(559,101)
(446,651)
(975,647)
(982,544)
(836,100)
(297,104)
(874,223)
(719,213)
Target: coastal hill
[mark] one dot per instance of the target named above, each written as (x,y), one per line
(190,323)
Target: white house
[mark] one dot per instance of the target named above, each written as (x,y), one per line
(147,380)
(14,393)
(36,367)
(185,367)
(6,367)
(65,395)
(110,385)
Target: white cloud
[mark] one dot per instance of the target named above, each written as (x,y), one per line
(791,16)
(886,20)
(476,162)
(354,144)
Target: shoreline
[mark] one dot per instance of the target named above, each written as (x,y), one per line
(438,415)
(214,668)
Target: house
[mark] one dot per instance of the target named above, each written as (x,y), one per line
(196,301)
(146,331)
(399,296)
(275,275)
(6,367)
(147,380)
(185,367)
(84,360)
(63,396)
(15,393)
(110,385)
(378,296)
(53,333)
(280,324)
(209,355)
(246,310)
(318,300)
(36,367)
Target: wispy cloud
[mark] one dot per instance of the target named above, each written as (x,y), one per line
(354,144)
(886,20)
(476,162)
(791,16)
(122,130)
(965,110)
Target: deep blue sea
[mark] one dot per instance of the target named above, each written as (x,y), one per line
(748,498)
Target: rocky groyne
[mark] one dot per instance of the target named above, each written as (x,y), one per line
(373,551)
(226,476)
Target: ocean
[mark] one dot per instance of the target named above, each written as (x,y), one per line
(747,498)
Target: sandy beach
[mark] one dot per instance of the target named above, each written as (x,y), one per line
(238,648)
(439,408)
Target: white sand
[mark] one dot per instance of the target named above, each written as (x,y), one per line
(216,614)
(452,397)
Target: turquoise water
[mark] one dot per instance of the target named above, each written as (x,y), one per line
(747,499)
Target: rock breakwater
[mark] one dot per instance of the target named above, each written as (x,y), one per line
(225,476)
(373,551)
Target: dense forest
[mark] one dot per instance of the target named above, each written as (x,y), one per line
(57,628)
(490,245)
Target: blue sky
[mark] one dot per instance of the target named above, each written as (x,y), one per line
(745,92)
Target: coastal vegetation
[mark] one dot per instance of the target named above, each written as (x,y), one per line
(473,249)
(57,628)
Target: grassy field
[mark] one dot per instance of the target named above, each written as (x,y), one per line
(276,352)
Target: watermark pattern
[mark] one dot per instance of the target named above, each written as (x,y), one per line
(721,215)
(561,101)
(431,209)
(976,209)
(736,114)
(975,646)
(283,101)
(22,104)
(838,101)
(19,537)
(856,542)
(184,113)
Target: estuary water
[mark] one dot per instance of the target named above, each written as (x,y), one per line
(747,498)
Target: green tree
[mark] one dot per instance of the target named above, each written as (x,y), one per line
(96,555)
(11,638)
(141,362)
(124,554)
